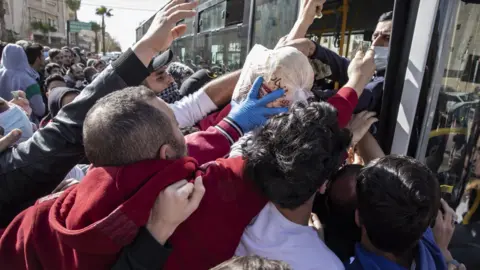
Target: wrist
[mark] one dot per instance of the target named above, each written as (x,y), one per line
(161,231)
(299,30)
(446,254)
(144,52)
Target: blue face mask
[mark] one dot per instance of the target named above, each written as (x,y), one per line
(45,55)
(14,118)
(381,57)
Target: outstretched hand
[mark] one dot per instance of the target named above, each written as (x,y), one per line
(360,124)
(163,30)
(361,70)
(253,112)
(10,139)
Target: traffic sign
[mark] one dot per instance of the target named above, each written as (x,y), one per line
(77,26)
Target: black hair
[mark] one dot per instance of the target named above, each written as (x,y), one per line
(398,199)
(252,263)
(89,72)
(296,152)
(53,78)
(50,67)
(123,128)
(53,53)
(385,17)
(33,51)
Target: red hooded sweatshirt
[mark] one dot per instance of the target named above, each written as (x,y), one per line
(86,226)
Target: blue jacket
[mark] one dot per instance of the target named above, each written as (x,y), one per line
(429,257)
(372,94)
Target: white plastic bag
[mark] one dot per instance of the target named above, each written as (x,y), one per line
(286,68)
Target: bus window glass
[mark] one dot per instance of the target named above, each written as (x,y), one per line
(221,51)
(455,129)
(189,23)
(182,49)
(273,20)
(212,18)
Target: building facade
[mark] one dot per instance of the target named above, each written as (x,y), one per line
(20,14)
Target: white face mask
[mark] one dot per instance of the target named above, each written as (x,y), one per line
(14,118)
(381,57)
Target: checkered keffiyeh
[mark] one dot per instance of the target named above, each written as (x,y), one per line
(171,93)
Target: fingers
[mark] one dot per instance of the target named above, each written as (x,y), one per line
(371,120)
(178,31)
(10,139)
(198,192)
(271,97)
(177,185)
(185,191)
(253,94)
(172,3)
(360,54)
(449,214)
(439,219)
(370,54)
(181,15)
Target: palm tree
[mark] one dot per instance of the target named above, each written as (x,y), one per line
(43,27)
(74,5)
(96,28)
(3,28)
(104,12)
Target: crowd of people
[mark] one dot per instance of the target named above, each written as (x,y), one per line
(144,163)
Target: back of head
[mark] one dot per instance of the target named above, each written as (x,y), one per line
(55,99)
(53,78)
(342,197)
(398,199)
(295,153)
(89,72)
(286,68)
(90,62)
(179,72)
(33,51)
(385,17)
(252,263)
(53,52)
(123,128)
(22,43)
(49,68)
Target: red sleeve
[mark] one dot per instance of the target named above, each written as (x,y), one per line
(213,118)
(345,101)
(213,143)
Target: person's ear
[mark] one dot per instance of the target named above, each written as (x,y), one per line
(167,152)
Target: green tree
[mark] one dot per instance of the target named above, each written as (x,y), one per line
(104,12)
(45,28)
(74,5)
(96,28)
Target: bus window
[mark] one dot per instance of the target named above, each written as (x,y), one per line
(221,52)
(273,20)
(182,49)
(212,18)
(452,139)
(189,23)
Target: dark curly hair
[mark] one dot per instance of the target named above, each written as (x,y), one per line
(398,199)
(296,152)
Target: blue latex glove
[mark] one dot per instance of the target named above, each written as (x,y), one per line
(252,112)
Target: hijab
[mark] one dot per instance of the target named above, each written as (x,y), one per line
(16,73)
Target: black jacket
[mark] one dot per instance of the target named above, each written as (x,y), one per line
(34,168)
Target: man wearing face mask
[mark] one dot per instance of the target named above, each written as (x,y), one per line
(371,98)
(160,81)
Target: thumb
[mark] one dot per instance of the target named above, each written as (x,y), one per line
(10,139)
(198,192)
(178,31)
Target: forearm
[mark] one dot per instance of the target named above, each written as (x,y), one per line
(220,90)
(369,149)
(193,108)
(37,105)
(299,30)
